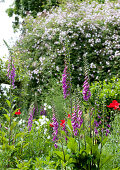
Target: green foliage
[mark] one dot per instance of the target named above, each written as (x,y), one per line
(47,41)
(32,7)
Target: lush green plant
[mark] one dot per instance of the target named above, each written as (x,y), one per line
(48,40)
(25,7)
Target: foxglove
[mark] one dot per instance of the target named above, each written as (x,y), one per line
(55,130)
(86,92)
(30,121)
(65,83)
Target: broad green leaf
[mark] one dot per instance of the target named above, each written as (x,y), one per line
(13,124)
(72,144)
(20,135)
(60,154)
(8,102)
(7,117)
(25,145)
(4,109)
(69,125)
(105,160)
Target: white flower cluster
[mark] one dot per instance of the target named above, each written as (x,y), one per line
(89,27)
(43,120)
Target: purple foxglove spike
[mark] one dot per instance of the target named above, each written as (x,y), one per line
(86,92)
(65,83)
(30,120)
(55,130)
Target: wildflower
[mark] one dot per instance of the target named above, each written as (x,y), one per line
(96,131)
(64,127)
(43,120)
(99,117)
(55,129)
(69,116)
(63,123)
(86,92)
(107,131)
(18,113)
(51,124)
(65,83)
(114,105)
(21,121)
(74,122)
(108,125)
(80,119)
(96,123)
(43,110)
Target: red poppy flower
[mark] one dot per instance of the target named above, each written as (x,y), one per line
(18,113)
(63,123)
(51,124)
(69,116)
(114,105)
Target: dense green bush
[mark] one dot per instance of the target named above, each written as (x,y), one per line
(75,30)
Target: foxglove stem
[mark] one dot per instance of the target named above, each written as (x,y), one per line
(11,103)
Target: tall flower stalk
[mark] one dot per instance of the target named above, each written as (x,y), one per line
(11,76)
(65,82)
(11,71)
(86,91)
(55,130)
(30,120)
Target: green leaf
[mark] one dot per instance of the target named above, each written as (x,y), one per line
(69,125)
(13,124)
(8,102)
(7,117)
(59,154)
(4,109)
(25,145)
(105,160)
(72,144)
(20,135)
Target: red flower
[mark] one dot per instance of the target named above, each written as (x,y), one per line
(18,113)
(69,116)
(51,124)
(63,123)
(114,105)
